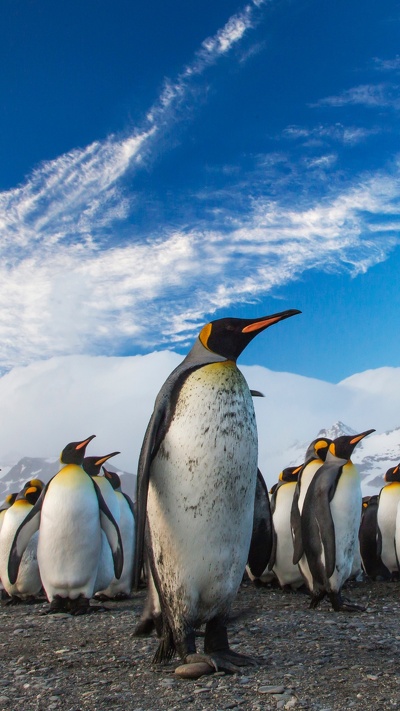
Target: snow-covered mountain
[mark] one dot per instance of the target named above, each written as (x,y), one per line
(12,479)
(373,456)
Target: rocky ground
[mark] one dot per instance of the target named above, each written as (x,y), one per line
(308,659)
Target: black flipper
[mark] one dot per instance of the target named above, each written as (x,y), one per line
(130,503)
(111,529)
(295,525)
(318,531)
(261,538)
(24,533)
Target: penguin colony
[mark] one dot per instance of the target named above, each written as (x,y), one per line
(203,514)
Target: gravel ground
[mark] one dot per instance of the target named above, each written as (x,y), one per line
(308,659)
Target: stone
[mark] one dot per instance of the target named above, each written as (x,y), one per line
(194,670)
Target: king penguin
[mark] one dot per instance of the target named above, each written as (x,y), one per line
(389,498)
(105,570)
(28,582)
(281,561)
(330,522)
(314,459)
(71,512)
(196,484)
(121,589)
(262,535)
(371,541)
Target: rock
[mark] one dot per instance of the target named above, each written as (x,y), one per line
(271,689)
(194,670)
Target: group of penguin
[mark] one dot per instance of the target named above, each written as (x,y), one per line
(73,537)
(320,536)
(202,512)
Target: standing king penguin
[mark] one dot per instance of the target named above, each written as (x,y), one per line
(388,502)
(330,522)
(281,561)
(71,512)
(195,492)
(28,582)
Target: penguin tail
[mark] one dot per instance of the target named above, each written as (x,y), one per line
(166,649)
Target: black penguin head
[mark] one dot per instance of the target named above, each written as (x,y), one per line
(113,478)
(290,474)
(392,474)
(35,482)
(30,494)
(342,447)
(228,337)
(92,465)
(74,452)
(10,498)
(318,449)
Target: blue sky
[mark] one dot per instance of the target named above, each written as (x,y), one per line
(163,164)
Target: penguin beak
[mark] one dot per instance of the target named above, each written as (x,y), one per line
(85,442)
(361,436)
(104,459)
(260,324)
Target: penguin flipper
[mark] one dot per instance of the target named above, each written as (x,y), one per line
(261,538)
(24,533)
(130,503)
(295,524)
(112,532)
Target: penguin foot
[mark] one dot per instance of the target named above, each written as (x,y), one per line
(343,604)
(57,605)
(4,595)
(144,627)
(79,606)
(13,600)
(316,599)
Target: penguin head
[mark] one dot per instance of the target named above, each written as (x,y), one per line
(74,452)
(228,337)
(92,465)
(392,474)
(10,498)
(35,482)
(290,474)
(29,494)
(113,478)
(342,447)
(317,449)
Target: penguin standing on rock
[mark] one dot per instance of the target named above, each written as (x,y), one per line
(71,512)
(330,522)
(196,485)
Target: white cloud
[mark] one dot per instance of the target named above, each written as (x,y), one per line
(370,95)
(348,135)
(46,409)
(387,65)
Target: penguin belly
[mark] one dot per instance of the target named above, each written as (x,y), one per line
(346,515)
(28,582)
(201,496)
(306,479)
(69,535)
(389,499)
(285,571)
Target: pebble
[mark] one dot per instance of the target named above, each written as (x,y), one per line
(271,689)
(4,700)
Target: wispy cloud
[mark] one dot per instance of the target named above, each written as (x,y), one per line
(370,95)
(387,65)
(348,135)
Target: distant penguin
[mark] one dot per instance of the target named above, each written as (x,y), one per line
(71,512)
(196,487)
(330,522)
(281,561)
(314,459)
(262,535)
(121,589)
(371,541)
(105,572)
(389,498)
(28,583)
(8,501)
